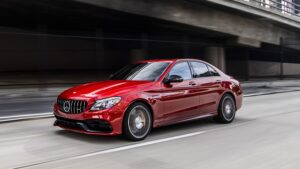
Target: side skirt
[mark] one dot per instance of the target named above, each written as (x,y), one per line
(185,120)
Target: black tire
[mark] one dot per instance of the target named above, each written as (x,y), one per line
(137,122)
(226,110)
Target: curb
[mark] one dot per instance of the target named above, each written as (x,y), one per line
(25,117)
(269,93)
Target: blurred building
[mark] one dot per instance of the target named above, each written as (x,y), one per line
(245,38)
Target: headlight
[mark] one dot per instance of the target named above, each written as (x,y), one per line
(106,103)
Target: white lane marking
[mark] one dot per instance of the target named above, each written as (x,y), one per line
(26,116)
(123,148)
(137,145)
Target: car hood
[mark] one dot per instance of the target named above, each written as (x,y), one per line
(105,89)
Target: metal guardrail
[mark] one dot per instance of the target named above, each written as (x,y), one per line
(288,7)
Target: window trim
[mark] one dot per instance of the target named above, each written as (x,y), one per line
(168,73)
(206,67)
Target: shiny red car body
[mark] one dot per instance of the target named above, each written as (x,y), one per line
(169,103)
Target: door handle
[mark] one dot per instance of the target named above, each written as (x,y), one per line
(192,84)
(218,81)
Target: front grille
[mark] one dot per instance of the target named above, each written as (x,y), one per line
(71,106)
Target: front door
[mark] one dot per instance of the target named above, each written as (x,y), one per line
(180,100)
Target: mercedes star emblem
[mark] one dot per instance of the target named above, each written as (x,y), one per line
(67,106)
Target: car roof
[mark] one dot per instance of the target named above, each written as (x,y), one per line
(181,59)
(169,60)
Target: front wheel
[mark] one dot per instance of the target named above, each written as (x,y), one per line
(137,122)
(226,109)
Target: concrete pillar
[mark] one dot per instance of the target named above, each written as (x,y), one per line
(100,50)
(42,49)
(137,54)
(140,53)
(216,57)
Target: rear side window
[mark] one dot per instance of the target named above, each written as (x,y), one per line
(200,70)
(181,69)
(212,71)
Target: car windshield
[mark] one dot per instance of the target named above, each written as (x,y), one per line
(150,71)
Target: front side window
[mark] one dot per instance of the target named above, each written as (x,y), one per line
(181,69)
(141,71)
(200,70)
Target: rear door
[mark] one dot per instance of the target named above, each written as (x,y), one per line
(209,87)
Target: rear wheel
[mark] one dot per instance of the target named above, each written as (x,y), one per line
(137,122)
(226,109)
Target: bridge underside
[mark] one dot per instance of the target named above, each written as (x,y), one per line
(87,35)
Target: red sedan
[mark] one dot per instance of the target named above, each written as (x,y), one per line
(149,94)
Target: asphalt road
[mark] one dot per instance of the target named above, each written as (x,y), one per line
(264,135)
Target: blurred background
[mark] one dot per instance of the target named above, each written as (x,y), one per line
(73,41)
(47,46)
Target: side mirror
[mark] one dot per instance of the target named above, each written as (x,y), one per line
(173,79)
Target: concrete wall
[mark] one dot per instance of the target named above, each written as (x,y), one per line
(30,52)
(291,69)
(262,68)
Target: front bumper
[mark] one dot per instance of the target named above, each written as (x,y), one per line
(91,126)
(106,122)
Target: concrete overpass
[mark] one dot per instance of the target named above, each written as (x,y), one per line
(249,30)
(239,36)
